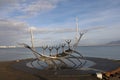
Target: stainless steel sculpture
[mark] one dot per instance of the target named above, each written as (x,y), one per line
(66,54)
(58,60)
(44,48)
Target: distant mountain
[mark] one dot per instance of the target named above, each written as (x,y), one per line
(114,43)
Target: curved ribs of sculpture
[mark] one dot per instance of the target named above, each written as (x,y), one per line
(66,54)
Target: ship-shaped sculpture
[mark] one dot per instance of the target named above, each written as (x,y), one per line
(58,60)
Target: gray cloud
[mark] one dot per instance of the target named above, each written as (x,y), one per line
(7,2)
(12,31)
(12,25)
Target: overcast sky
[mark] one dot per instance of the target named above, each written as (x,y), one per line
(54,20)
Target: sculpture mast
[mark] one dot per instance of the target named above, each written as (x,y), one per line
(77,28)
(32,39)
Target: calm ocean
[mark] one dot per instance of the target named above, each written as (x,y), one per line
(110,52)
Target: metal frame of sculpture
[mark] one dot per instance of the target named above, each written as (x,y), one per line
(66,54)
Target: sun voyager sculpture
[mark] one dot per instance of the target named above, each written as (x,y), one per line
(60,59)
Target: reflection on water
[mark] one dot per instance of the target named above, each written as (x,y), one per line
(41,65)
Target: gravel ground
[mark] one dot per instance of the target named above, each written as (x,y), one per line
(67,74)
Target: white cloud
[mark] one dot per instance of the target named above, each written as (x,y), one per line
(39,6)
(101,36)
(26,8)
(100,17)
(12,31)
(53,29)
(60,20)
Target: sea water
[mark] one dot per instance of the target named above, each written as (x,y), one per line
(110,52)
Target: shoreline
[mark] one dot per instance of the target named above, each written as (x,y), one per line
(19,71)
